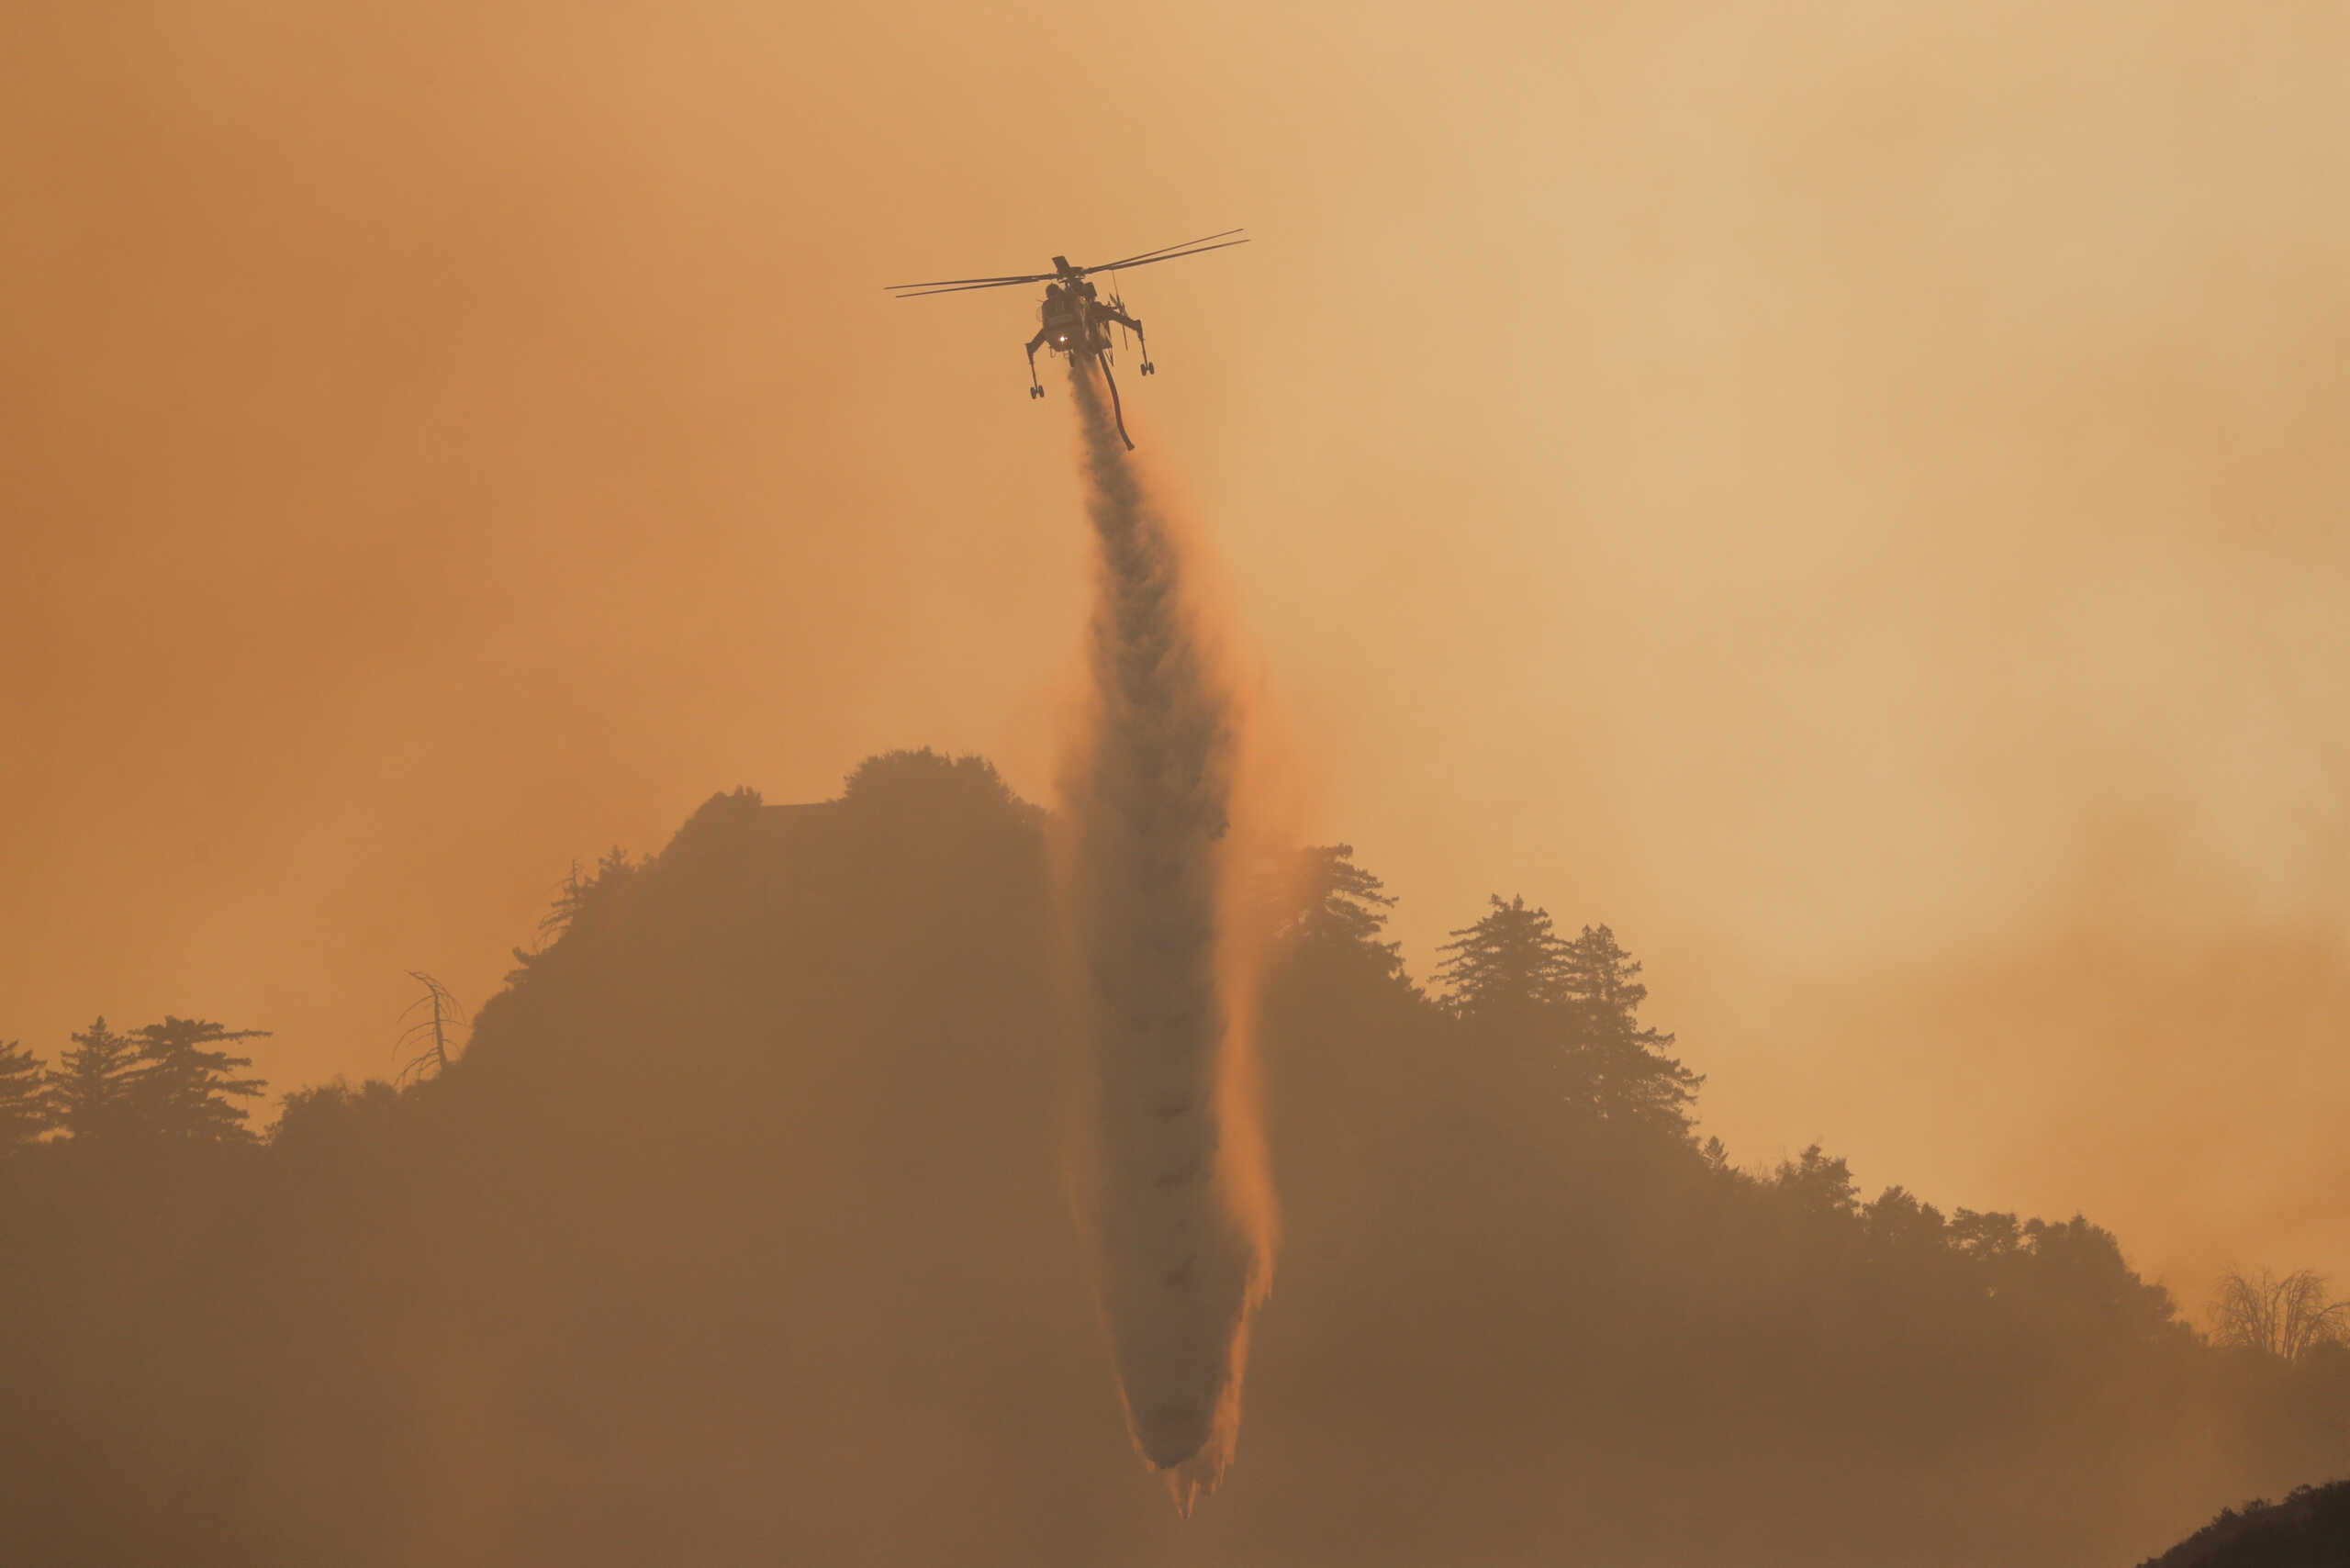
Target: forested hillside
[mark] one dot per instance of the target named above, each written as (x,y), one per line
(2311,1528)
(739,1232)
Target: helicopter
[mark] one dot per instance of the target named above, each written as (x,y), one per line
(1074,320)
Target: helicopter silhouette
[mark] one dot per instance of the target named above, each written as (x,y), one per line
(1074,320)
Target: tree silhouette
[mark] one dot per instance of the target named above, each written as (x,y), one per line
(429,1033)
(1984,1236)
(182,1090)
(90,1089)
(1620,1069)
(1343,912)
(1513,971)
(2077,1269)
(576,898)
(2287,1318)
(1819,1183)
(1508,965)
(575,893)
(1899,1219)
(893,780)
(27,1108)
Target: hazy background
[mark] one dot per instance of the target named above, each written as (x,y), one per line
(1847,494)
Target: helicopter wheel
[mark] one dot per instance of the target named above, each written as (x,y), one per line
(1149,368)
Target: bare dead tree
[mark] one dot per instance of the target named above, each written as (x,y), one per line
(2288,1318)
(570,898)
(431,1019)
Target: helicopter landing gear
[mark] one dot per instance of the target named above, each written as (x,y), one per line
(1035,388)
(1149,368)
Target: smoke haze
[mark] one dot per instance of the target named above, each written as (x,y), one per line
(1847,496)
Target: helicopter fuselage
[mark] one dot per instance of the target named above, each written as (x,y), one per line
(1075,319)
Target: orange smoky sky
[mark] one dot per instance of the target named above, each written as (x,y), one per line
(1849,495)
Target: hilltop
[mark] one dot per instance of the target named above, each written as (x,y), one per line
(742,1230)
(2311,1528)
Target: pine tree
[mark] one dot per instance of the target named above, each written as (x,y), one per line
(1578,1002)
(1508,965)
(26,1109)
(182,1090)
(1620,1069)
(579,895)
(90,1089)
(1344,913)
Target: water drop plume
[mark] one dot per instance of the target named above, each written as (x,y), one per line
(1174,1192)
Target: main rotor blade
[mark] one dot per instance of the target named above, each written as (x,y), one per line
(969,282)
(920,292)
(1177,256)
(1181,245)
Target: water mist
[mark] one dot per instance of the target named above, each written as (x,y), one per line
(1175,1194)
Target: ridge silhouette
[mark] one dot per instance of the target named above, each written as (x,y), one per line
(740,1231)
(2311,1528)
